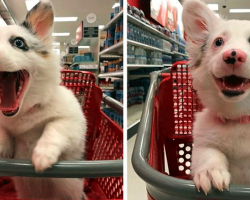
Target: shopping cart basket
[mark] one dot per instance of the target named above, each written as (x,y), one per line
(162,151)
(103,167)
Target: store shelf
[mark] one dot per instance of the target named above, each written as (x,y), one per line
(131,77)
(112,21)
(109,57)
(85,63)
(152,30)
(145,46)
(135,65)
(167,65)
(179,54)
(107,88)
(87,67)
(111,74)
(115,49)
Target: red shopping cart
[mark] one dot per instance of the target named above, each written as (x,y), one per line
(163,147)
(103,168)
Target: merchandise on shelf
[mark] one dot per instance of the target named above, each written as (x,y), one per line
(138,14)
(117,92)
(112,66)
(135,95)
(108,84)
(118,119)
(167,59)
(121,5)
(121,30)
(140,82)
(117,31)
(117,10)
(87,57)
(137,55)
(112,15)
(144,71)
(138,34)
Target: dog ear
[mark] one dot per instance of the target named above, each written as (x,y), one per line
(40,20)
(198,20)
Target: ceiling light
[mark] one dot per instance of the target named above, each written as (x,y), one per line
(60,34)
(213,6)
(239,10)
(101,26)
(56,43)
(30,4)
(65,19)
(83,47)
(115,5)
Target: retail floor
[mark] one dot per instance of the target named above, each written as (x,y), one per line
(136,187)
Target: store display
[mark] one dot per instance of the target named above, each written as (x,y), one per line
(137,34)
(137,55)
(87,57)
(140,82)
(135,95)
(138,14)
(111,66)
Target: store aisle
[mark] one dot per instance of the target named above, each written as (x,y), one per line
(136,186)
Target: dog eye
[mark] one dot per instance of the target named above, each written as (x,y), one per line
(218,42)
(18,43)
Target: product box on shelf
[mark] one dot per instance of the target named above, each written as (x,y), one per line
(112,66)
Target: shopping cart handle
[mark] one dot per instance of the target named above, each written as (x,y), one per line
(64,169)
(114,104)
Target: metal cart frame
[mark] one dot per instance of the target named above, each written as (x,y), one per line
(159,185)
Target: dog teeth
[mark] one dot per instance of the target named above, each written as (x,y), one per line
(224,85)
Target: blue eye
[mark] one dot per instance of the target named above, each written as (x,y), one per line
(19,43)
(218,42)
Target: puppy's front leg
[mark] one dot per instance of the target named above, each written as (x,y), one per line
(6,144)
(210,168)
(58,136)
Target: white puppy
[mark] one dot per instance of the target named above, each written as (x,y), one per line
(219,53)
(39,119)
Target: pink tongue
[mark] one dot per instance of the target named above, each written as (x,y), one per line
(9,98)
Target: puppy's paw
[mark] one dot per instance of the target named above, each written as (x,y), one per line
(44,156)
(6,150)
(218,178)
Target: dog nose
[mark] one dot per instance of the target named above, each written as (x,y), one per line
(234,57)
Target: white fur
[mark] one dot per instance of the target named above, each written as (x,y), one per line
(221,151)
(53,130)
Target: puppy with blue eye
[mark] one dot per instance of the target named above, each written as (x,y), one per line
(39,119)
(219,53)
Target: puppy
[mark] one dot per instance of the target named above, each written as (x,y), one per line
(39,119)
(219,53)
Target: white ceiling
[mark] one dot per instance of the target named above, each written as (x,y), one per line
(102,8)
(68,8)
(232,4)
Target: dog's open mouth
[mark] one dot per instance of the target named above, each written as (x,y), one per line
(12,88)
(232,86)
